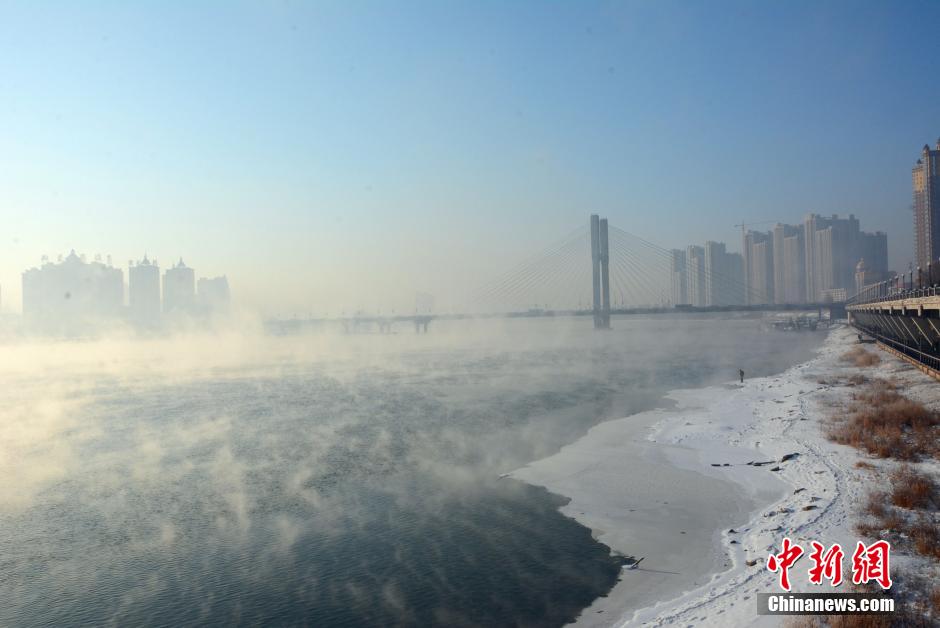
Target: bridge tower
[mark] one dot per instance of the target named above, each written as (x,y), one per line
(600,272)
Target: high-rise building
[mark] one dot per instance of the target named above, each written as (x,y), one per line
(836,255)
(695,275)
(873,248)
(179,289)
(811,224)
(746,256)
(926,180)
(724,281)
(812,262)
(678,276)
(793,259)
(72,296)
(213,295)
(832,268)
(143,291)
(761,282)
(736,265)
(714,272)
(759,267)
(782,269)
(823,266)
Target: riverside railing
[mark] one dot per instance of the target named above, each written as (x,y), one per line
(930,360)
(909,285)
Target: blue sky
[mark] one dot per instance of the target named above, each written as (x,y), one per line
(336,155)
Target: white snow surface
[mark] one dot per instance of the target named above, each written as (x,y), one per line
(647,486)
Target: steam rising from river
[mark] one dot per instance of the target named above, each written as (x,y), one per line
(242,476)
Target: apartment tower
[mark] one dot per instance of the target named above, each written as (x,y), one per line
(926,179)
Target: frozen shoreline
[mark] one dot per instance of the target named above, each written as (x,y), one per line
(671,484)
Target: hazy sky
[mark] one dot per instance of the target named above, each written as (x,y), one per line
(327,156)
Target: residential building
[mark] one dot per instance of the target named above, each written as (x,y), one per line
(213,295)
(793,260)
(926,180)
(759,267)
(179,289)
(143,291)
(695,275)
(678,275)
(761,281)
(836,254)
(781,269)
(833,267)
(873,248)
(72,296)
(723,275)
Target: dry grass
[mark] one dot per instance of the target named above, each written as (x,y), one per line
(922,534)
(886,424)
(890,521)
(910,489)
(926,538)
(881,421)
(876,506)
(908,610)
(852,380)
(858,356)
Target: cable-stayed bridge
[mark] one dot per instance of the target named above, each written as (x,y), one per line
(565,276)
(597,270)
(600,269)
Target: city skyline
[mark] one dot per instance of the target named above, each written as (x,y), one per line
(824,259)
(275,141)
(72,295)
(777,266)
(816,261)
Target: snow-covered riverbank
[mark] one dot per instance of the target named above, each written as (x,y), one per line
(688,488)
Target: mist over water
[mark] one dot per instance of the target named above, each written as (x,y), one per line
(326,479)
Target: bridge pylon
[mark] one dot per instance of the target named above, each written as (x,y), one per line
(600,273)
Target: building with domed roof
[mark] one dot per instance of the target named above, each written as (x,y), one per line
(860,280)
(866,275)
(179,289)
(70,295)
(143,291)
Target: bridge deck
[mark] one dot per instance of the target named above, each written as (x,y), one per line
(906,324)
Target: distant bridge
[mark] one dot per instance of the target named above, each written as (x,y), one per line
(625,275)
(353,324)
(597,270)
